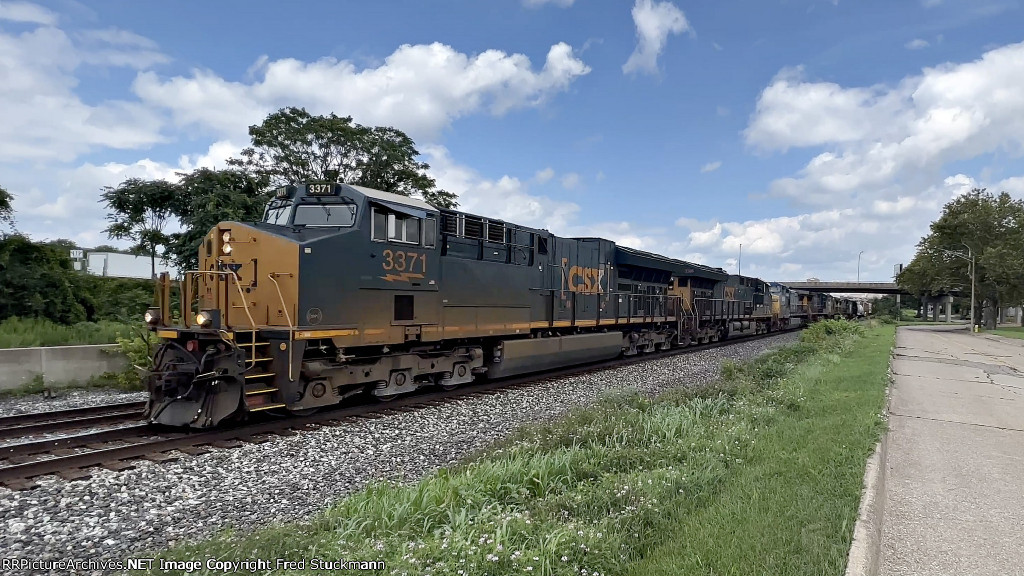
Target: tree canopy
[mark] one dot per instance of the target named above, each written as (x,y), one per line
(140,210)
(205,198)
(989,227)
(6,207)
(292,146)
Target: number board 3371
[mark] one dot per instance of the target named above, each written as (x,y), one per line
(403,265)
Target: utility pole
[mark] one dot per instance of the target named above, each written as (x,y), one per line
(970,253)
(895,278)
(858,265)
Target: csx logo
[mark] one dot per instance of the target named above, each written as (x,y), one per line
(580,279)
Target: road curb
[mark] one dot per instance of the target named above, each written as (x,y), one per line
(866,550)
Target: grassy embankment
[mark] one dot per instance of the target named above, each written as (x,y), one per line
(1008,331)
(759,473)
(31,332)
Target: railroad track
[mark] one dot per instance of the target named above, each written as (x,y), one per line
(20,425)
(73,457)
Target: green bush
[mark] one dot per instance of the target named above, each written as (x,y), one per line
(36,281)
(139,351)
(826,330)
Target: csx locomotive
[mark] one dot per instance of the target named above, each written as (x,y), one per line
(343,290)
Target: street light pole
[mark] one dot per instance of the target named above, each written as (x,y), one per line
(858,265)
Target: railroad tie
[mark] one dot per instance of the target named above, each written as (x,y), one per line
(160,457)
(74,473)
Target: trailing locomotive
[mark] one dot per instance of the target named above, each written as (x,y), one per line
(344,290)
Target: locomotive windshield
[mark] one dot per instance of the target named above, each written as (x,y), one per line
(325,215)
(278,212)
(320,214)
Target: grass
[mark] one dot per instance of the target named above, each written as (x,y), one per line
(791,508)
(1009,331)
(759,472)
(30,332)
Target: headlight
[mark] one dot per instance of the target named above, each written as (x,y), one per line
(225,248)
(203,319)
(227,236)
(152,316)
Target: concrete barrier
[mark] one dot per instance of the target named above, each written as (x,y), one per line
(57,364)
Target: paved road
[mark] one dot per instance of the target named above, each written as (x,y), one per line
(955,487)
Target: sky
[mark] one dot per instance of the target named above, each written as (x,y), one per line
(813,133)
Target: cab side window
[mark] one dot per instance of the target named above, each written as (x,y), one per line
(380,225)
(429,232)
(390,227)
(402,228)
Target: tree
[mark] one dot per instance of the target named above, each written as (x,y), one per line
(993,228)
(140,212)
(208,197)
(389,163)
(6,208)
(292,146)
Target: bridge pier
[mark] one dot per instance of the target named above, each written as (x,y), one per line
(935,305)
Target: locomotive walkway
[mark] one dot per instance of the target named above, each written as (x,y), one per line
(952,496)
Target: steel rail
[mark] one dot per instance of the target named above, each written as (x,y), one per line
(54,421)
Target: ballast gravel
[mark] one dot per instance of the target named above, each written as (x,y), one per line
(115,515)
(65,400)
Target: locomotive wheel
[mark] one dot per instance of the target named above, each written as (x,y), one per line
(387,398)
(304,411)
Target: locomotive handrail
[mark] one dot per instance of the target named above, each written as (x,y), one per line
(287,316)
(187,301)
(252,323)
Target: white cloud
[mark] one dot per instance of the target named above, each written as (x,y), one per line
(824,243)
(420,89)
(40,115)
(600,176)
(507,198)
(570,180)
(511,199)
(118,37)
(26,12)
(544,175)
(885,140)
(67,203)
(654,21)
(917,44)
(539,3)
(711,167)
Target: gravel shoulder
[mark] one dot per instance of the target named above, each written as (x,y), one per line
(114,515)
(65,400)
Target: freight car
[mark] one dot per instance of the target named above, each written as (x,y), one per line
(343,290)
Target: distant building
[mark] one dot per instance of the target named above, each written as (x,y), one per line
(117,265)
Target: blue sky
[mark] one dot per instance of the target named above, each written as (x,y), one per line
(805,130)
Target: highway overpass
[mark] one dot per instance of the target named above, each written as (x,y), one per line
(848,287)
